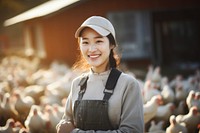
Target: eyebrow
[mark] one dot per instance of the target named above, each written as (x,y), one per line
(97,37)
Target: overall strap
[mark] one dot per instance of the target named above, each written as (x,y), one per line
(83,85)
(111,83)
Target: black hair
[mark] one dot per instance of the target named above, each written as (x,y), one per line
(113,57)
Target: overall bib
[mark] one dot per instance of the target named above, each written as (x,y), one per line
(93,114)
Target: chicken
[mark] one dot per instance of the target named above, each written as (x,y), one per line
(58,90)
(190,100)
(175,127)
(50,97)
(164,112)
(8,108)
(8,128)
(35,77)
(45,77)
(4,87)
(149,91)
(190,84)
(34,91)
(197,101)
(150,108)
(176,81)
(167,94)
(23,105)
(59,110)
(149,73)
(191,119)
(156,77)
(52,118)
(62,85)
(156,128)
(180,93)
(164,81)
(35,122)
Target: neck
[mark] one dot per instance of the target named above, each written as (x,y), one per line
(100,70)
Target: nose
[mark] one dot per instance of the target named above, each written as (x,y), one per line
(92,47)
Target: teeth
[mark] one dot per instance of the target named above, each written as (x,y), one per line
(94,56)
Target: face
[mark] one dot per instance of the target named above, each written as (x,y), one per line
(95,49)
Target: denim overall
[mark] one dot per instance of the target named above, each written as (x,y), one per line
(93,114)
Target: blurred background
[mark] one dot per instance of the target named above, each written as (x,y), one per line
(149,32)
(38,47)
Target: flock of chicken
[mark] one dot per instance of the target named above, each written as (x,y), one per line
(171,106)
(32,98)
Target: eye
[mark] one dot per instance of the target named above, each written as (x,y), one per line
(99,41)
(84,43)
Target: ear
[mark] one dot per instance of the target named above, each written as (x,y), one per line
(112,46)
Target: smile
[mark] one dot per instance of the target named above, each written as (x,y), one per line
(94,56)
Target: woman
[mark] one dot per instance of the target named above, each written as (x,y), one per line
(100,101)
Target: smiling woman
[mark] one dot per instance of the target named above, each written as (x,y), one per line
(103,99)
(114,59)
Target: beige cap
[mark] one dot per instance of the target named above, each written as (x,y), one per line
(100,24)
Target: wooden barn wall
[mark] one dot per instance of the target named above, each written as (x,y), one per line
(59,28)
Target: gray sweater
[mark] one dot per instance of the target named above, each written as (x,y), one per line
(125,105)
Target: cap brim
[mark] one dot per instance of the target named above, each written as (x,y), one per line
(98,29)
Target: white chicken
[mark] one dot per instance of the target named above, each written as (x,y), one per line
(51,118)
(192,119)
(175,127)
(197,101)
(50,97)
(34,91)
(180,93)
(35,122)
(62,85)
(164,112)
(176,81)
(156,128)
(156,77)
(190,84)
(190,100)
(164,81)
(23,105)
(4,87)
(150,108)
(59,110)
(149,91)
(59,88)
(167,94)
(55,72)
(149,73)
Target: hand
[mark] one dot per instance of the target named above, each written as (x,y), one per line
(64,127)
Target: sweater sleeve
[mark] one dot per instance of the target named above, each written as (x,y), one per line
(131,119)
(132,109)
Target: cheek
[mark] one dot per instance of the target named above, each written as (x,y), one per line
(108,49)
(83,50)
